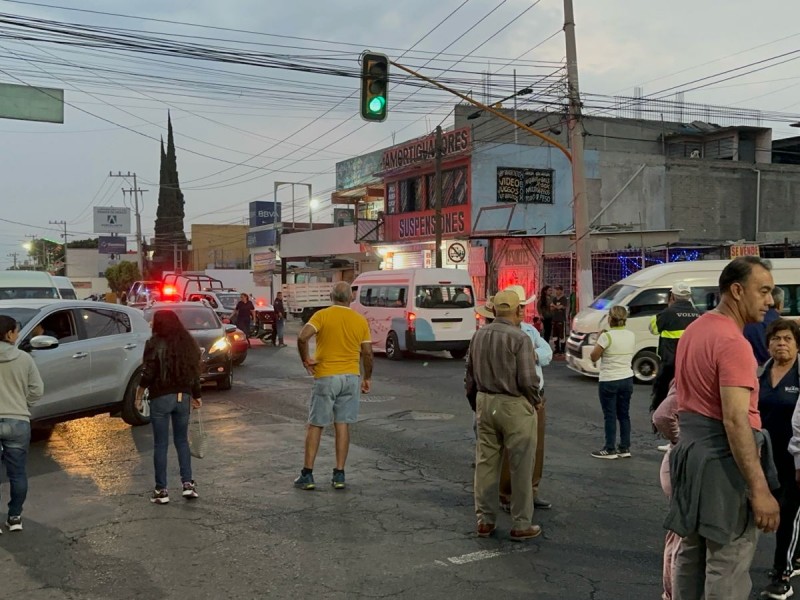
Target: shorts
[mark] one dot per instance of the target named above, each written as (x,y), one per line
(335,399)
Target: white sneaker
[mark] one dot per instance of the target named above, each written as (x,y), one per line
(663,448)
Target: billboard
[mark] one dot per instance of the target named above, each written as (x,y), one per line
(263,262)
(112,219)
(264,213)
(112,244)
(261,239)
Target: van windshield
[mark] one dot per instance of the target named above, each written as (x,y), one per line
(27,293)
(67,294)
(612,296)
(444,296)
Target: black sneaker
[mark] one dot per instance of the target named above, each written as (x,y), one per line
(624,452)
(608,454)
(779,589)
(305,482)
(14,523)
(337,481)
(160,496)
(190,490)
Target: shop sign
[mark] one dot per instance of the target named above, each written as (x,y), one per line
(421,225)
(422,149)
(744,250)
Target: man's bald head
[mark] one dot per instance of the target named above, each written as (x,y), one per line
(341,293)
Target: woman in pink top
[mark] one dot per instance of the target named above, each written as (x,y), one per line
(665,419)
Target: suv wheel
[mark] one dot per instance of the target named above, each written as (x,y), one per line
(129,413)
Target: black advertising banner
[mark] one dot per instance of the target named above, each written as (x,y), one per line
(525,186)
(538,186)
(509,185)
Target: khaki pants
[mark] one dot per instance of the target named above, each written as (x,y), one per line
(504,422)
(538,466)
(705,570)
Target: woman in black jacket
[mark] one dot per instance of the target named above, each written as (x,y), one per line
(171,373)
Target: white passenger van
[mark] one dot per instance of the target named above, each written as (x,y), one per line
(26,285)
(65,288)
(417,309)
(646,293)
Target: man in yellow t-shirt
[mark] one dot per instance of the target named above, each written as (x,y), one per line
(343,345)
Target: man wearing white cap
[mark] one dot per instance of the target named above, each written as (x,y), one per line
(669,326)
(544,355)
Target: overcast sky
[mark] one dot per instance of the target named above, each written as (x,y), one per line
(57,172)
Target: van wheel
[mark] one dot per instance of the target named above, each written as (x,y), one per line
(645,366)
(458,354)
(129,413)
(393,347)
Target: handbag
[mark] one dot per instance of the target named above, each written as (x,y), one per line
(145,411)
(198,438)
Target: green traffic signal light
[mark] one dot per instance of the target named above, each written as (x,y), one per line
(376,104)
(374,86)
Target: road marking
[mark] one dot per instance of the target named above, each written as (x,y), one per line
(482,555)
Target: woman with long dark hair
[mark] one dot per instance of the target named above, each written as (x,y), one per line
(171,373)
(543,306)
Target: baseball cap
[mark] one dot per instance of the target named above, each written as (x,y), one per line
(520,292)
(681,289)
(506,300)
(485,310)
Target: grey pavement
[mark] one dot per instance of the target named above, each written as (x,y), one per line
(404,527)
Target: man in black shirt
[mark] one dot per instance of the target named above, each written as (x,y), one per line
(559,306)
(280,320)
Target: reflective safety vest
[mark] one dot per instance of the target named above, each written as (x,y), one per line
(669,326)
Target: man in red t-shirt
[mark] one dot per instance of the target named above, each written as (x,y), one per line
(716,380)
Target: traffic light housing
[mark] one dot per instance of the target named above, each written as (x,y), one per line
(374,86)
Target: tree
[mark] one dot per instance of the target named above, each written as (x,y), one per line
(122,275)
(46,254)
(170,213)
(90,243)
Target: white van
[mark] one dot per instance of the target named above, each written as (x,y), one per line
(417,309)
(65,288)
(646,293)
(22,285)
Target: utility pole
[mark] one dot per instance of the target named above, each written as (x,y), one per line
(580,208)
(14,256)
(437,220)
(64,235)
(135,192)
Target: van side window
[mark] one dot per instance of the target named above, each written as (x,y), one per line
(791,300)
(649,302)
(385,296)
(705,298)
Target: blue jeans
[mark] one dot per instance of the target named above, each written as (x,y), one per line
(615,398)
(162,409)
(15,437)
(279,323)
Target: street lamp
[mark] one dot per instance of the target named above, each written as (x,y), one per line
(313,203)
(522,92)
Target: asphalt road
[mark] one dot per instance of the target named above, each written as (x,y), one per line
(404,528)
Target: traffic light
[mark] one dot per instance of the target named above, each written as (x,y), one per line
(374,86)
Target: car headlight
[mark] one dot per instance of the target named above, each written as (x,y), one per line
(592,338)
(221,345)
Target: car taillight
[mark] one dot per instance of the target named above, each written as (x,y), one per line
(168,290)
(477,321)
(260,302)
(411,320)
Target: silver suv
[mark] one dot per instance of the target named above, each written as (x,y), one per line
(89,355)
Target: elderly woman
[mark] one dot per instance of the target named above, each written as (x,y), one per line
(779,389)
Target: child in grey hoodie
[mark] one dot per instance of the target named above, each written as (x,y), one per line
(21,386)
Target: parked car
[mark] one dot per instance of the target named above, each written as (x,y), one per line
(211,335)
(89,356)
(239,346)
